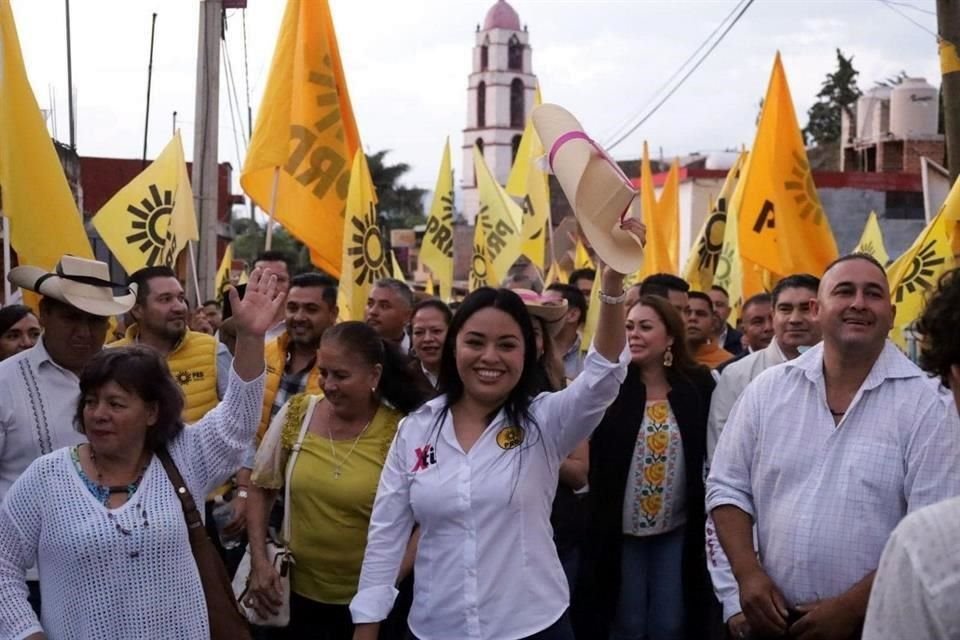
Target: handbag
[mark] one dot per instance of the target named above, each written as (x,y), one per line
(278,551)
(223,616)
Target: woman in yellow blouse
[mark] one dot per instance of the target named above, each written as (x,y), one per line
(367,389)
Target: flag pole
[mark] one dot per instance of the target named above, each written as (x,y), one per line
(7,292)
(273,207)
(193,270)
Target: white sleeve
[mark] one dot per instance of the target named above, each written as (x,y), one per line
(729,481)
(224,366)
(391,524)
(721,403)
(19,535)
(566,418)
(721,573)
(215,446)
(931,456)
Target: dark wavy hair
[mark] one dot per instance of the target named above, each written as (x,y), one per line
(940,349)
(517,404)
(683,362)
(397,385)
(141,371)
(13,314)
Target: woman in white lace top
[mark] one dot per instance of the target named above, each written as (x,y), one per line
(102,520)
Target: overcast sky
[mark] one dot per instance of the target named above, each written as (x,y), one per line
(407,64)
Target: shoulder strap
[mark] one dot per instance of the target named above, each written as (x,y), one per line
(190,512)
(305,417)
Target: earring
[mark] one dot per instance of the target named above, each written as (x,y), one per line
(668,358)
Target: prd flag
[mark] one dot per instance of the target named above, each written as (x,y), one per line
(581,257)
(739,277)
(661,219)
(501,218)
(871,242)
(705,256)
(365,258)
(593,315)
(44,222)
(556,274)
(395,268)
(668,215)
(150,220)
(783,227)
(436,250)
(481,270)
(223,273)
(529,181)
(915,273)
(305,137)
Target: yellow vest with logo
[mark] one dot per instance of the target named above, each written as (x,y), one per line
(275,355)
(193,363)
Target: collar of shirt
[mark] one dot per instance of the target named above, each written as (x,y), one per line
(891,364)
(39,356)
(575,347)
(430,377)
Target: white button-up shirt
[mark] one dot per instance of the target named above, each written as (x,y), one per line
(38,401)
(825,497)
(486,566)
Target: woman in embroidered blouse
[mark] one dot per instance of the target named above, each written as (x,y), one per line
(477,469)
(102,520)
(367,388)
(645,559)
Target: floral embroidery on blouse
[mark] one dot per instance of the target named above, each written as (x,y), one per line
(651,485)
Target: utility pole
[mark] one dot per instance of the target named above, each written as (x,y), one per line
(205,178)
(73,133)
(948,26)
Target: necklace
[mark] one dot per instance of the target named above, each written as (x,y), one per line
(338,464)
(105,491)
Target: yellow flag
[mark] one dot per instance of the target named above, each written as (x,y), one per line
(365,259)
(482,273)
(428,287)
(871,242)
(668,215)
(44,221)
(593,316)
(556,274)
(783,227)
(581,259)
(149,221)
(395,268)
(223,273)
(529,181)
(501,218)
(916,272)
(305,137)
(705,255)
(436,251)
(659,227)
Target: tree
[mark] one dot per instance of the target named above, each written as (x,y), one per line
(838,95)
(399,206)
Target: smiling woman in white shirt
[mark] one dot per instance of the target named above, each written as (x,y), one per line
(477,468)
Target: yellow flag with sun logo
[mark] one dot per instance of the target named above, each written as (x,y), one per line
(365,259)
(529,181)
(915,273)
(783,227)
(481,270)
(150,220)
(871,242)
(222,281)
(436,250)
(501,217)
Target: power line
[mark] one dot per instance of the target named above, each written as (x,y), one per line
(912,6)
(696,66)
(676,73)
(890,5)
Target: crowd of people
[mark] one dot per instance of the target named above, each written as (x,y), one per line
(475,470)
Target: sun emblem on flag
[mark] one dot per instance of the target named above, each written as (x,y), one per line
(152,218)
(478,267)
(366,251)
(711,244)
(921,271)
(868,248)
(803,190)
(724,268)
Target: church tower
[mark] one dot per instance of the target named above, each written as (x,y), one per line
(500,94)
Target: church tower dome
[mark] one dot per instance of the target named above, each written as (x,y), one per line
(500,93)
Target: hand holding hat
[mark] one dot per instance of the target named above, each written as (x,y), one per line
(603,198)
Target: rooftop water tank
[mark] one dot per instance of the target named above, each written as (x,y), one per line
(872,114)
(914,109)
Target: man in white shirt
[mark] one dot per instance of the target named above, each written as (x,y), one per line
(568,340)
(40,387)
(826,453)
(917,588)
(793,328)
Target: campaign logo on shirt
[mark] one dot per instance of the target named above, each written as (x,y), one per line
(426,456)
(186,377)
(510,437)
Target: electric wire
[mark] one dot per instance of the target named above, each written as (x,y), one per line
(889,5)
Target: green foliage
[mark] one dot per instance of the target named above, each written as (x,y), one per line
(838,94)
(399,206)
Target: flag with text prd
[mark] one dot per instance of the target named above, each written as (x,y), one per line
(915,273)
(529,181)
(871,242)
(436,250)
(481,270)
(365,258)
(150,220)
(708,247)
(783,227)
(501,217)
(305,137)
(44,221)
